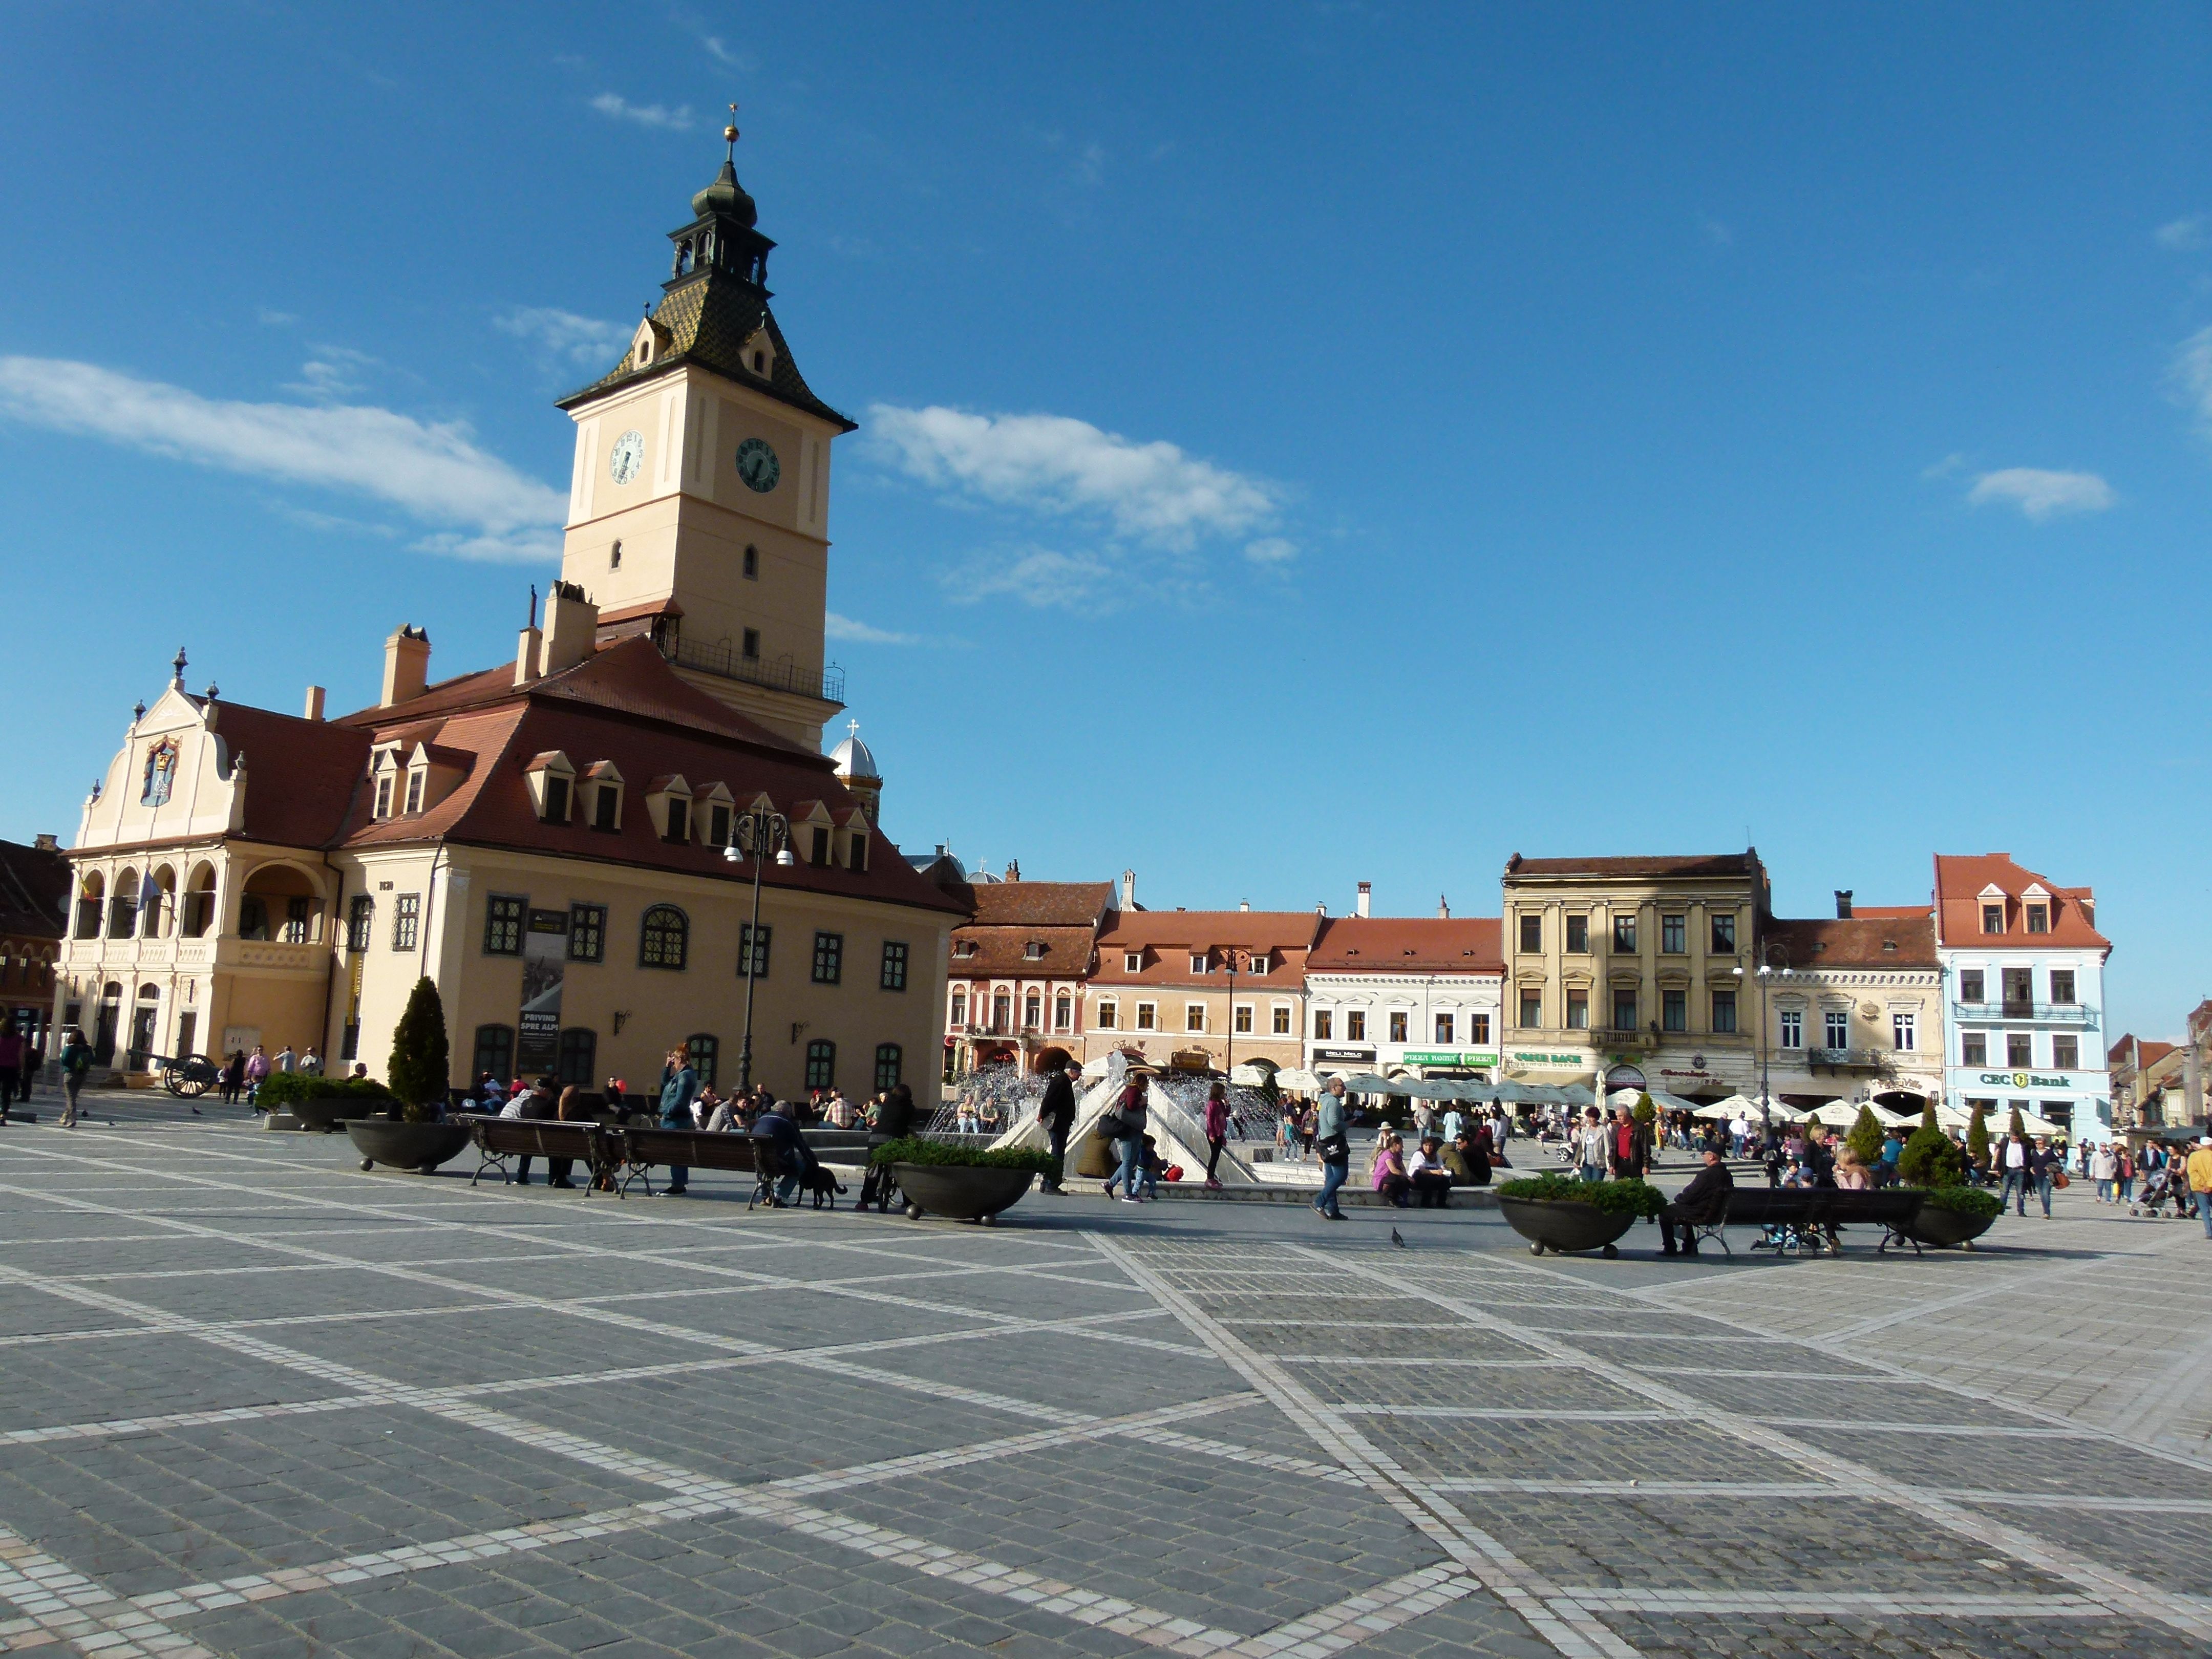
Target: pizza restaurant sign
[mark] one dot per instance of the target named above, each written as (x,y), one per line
(1450,1057)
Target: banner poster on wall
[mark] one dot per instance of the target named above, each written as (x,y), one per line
(544,961)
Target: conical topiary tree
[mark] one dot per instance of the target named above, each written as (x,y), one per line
(1977,1138)
(421,1061)
(1928,1119)
(2016,1128)
(1931,1157)
(1865,1136)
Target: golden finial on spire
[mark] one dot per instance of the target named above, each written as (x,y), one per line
(730,135)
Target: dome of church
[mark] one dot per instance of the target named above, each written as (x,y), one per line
(852,757)
(728,196)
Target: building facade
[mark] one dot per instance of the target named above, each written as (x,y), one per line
(557,842)
(34,910)
(1015,983)
(1851,1009)
(2023,966)
(1405,995)
(1632,971)
(1201,989)
(2146,1080)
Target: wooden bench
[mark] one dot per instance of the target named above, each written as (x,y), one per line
(1799,1217)
(639,1146)
(500,1139)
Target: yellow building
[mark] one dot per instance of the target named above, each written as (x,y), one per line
(547,839)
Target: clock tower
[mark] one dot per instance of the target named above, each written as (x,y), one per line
(699,507)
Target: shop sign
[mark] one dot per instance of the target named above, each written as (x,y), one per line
(1578,1061)
(1353,1054)
(2026,1080)
(1450,1057)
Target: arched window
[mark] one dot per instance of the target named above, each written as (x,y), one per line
(123,906)
(199,902)
(580,1057)
(705,1052)
(887,1066)
(91,900)
(254,917)
(663,937)
(494,1052)
(820,1063)
(159,913)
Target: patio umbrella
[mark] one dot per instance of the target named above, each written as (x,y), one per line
(1297,1082)
(1249,1077)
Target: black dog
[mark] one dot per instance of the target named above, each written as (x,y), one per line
(824,1186)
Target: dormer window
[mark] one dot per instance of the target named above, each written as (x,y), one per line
(1132,961)
(552,780)
(1199,960)
(602,792)
(679,820)
(1993,918)
(1260,962)
(759,354)
(2039,918)
(718,825)
(1034,951)
(963,948)
(669,800)
(383,809)
(416,778)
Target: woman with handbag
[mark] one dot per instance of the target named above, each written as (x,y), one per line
(1336,1145)
(1123,1124)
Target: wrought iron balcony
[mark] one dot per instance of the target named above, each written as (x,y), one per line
(782,675)
(2046,1013)
(1854,1060)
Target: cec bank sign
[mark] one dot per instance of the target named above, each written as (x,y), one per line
(2026,1080)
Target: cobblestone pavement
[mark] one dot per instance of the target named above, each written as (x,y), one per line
(255,1401)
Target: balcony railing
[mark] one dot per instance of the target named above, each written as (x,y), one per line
(2048,1013)
(1864,1060)
(782,675)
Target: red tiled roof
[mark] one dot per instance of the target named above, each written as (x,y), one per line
(999,952)
(1902,936)
(1424,945)
(1043,903)
(302,776)
(1960,882)
(1169,937)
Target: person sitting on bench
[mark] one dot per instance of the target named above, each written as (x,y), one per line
(1695,1205)
(1430,1175)
(791,1152)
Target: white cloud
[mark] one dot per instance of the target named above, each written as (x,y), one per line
(1151,492)
(1271,550)
(2041,494)
(2192,372)
(582,340)
(272,318)
(645,115)
(1944,468)
(331,372)
(2182,234)
(721,53)
(1036,576)
(844,627)
(479,506)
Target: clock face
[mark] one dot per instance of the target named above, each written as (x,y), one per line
(627,456)
(757,465)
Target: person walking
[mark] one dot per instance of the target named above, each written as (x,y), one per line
(2124,1174)
(11,1065)
(2104,1169)
(1217,1132)
(286,1059)
(76,1062)
(679,1087)
(2199,1175)
(1125,1126)
(257,1069)
(1590,1147)
(1328,1133)
(1056,1111)
(2017,1166)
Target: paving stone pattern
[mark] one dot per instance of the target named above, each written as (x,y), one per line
(255,1401)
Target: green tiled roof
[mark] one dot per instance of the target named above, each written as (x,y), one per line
(708,320)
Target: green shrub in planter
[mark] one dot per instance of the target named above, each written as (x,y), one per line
(915,1150)
(1977,1137)
(421,1061)
(280,1089)
(1865,1138)
(1930,1158)
(1638,1198)
(1966,1200)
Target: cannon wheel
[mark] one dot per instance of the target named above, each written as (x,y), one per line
(190,1077)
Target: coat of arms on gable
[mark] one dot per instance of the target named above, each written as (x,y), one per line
(161,773)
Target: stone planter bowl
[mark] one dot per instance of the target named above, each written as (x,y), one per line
(399,1144)
(1946,1228)
(1564,1226)
(326,1114)
(963,1192)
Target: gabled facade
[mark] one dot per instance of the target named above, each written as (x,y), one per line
(1201,989)
(1405,995)
(2024,969)
(1014,987)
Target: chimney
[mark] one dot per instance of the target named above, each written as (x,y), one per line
(1244,904)
(1443,909)
(47,844)
(406,664)
(314,711)
(1366,898)
(1843,904)
(1128,889)
(527,650)
(1013,869)
(571,626)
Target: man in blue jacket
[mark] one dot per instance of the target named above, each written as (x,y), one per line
(797,1158)
(679,1087)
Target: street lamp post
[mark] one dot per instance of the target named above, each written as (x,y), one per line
(759,829)
(1766,972)
(1233,958)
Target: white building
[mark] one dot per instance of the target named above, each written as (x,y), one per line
(1852,1009)
(1398,995)
(2024,971)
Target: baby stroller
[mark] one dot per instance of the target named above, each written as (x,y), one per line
(2160,1188)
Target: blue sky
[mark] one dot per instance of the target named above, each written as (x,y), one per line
(1300,444)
